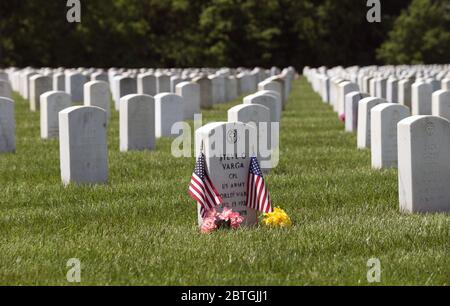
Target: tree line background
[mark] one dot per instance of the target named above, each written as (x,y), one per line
(215,33)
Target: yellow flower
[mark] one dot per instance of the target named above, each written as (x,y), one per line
(277,218)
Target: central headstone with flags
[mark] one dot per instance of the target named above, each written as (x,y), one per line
(227,174)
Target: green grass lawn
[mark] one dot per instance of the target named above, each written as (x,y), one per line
(140,229)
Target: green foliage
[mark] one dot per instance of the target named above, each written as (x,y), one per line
(421,34)
(182,33)
(256,32)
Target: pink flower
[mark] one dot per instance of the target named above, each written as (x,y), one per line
(226,219)
(209,225)
(342,117)
(226,213)
(236,220)
(211,213)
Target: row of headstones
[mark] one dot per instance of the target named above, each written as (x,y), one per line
(404,88)
(145,116)
(404,122)
(82,130)
(201,91)
(217,86)
(169,108)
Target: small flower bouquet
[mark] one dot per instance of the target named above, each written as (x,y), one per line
(227,219)
(277,218)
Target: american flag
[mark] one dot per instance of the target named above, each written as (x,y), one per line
(257,193)
(201,189)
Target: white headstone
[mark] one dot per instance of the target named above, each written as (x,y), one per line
(25,83)
(227,149)
(441,103)
(124,86)
(52,102)
(146,84)
(392,90)
(253,81)
(96,93)
(218,89)
(15,80)
(364,124)
(244,81)
(384,120)
(249,113)
(271,85)
(100,76)
(366,84)
(205,91)
(259,117)
(74,85)
(191,98)
(325,89)
(231,92)
(83,145)
(344,89)
(424,164)
(421,98)
(445,84)
(162,83)
(283,85)
(168,111)
(380,88)
(435,84)
(5,89)
(404,92)
(351,110)
(59,81)
(334,92)
(373,87)
(174,81)
(137,125)
(7,126)
(269,99)
(39,84)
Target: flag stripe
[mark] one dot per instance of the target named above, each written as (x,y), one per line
(197,191)
(195,196)
(252,192)
(257,193)
(264,198)
(210,196)
(247,200)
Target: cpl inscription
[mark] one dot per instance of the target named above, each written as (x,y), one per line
(233,189)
